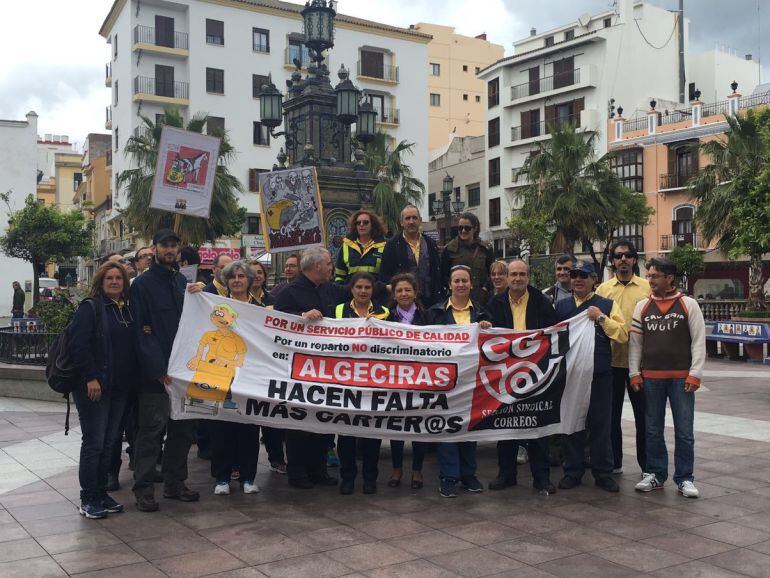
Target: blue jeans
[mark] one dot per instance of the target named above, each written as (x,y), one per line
(456,460)
(656,392)
(100,423)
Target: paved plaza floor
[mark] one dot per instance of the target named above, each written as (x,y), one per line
(403,532)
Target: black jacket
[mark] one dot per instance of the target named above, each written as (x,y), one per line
(420,316)
(395,259)
(438,314)
(477,256)
(540,312)
(157,297)
(302,295)
(18,300)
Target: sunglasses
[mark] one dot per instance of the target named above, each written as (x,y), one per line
(576,274)
(619,256)
(465,228)
(362,222)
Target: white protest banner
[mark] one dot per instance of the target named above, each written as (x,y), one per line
(184,173)
(364,377)
(292,214)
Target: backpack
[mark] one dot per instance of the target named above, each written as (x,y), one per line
(60,371)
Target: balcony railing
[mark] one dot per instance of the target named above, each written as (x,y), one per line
(292,52)
(142,132)
(752,100)
(546,84)
(668,242)
(635,124)
(108,74)
(517,177)
(148,35)
(107,117)
(675,116)
(539,128)
(389,115)
(170,89)
(384,72)
(674,181)
(718,309)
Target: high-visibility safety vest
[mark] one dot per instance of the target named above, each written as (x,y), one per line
(346,311)
(353,258)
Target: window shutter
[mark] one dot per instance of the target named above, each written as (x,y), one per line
(579,105)
(550,117)
(253,181)
(534,80)
(526,124)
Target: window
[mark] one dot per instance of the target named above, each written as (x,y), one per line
(257,81)
(458,194)
(372,64)
(493,92)
(682,223)
(564,112)
(691,91)
(298,51)
(494,172)
(260,40)
(493,132)
(160,118)
(607,22)
(252,225)
(261,134)
(465,97)
(254,179)
(530,123)
(478,98)
(627,164)
(478,69)
(164,80)
(549,41)
(686,165)
(115,93)
(474,196)
(431,200)
(77,178)
(215,125)
(563,72)
(494,212)
(115,47)
(634,233)
(164,31)
(117,140)
(215,32)
(465,68)
(215,80)
(435,69)
(378,104)
(569,35)
(435,99)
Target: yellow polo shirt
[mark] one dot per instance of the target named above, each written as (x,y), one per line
(414,247)
(462,315)
(625,297)
(519,311)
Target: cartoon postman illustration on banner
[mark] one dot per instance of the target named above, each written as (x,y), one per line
(219,354)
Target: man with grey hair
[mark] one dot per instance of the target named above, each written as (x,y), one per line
(311,295)
(416,253)
(217,287)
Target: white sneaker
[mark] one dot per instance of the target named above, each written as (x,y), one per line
(688,490)
(250,488)
(649,483)
(222,489)
(522,456)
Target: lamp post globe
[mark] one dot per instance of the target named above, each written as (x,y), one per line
(270,106)
(365,125)
(318,20)
(448,184)
(347,98)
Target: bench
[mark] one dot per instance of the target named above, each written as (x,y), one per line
(732,334)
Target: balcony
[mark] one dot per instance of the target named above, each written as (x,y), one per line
(149,89)
(108,158)
(108,118)
(556,84)
(384,73)
(538,129)
(389,116)
(518,178)
(142,132)
(108,74)
(172,43)
(292,52)
(674,181)
(668,242)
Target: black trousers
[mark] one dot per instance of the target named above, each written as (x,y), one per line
(418,454)
(621,384)
(274,438)
(305,455)
(346,451)
(539,460)
(127,426)
(233,444)
(598,422)
(154,409)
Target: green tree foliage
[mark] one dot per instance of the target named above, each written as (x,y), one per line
(38,234)
(733,195)
(529,234)
(688,262)
(226,217)
(397,185)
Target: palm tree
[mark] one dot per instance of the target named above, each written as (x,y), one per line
(397,185)
(729,194)
(226,217)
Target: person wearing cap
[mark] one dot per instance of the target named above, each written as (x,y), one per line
(156,304)
(610,327)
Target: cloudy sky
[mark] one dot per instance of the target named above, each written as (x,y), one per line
(53,57)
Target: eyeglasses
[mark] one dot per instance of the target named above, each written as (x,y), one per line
(619,256)
(565,268)
(465,228)
(460,268)
(576,274)
(360,223)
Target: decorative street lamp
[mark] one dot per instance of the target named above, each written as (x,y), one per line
(347,98)
(367,119)
(270,105)
(318,19)
(446,208)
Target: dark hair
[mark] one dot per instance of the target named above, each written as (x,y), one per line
(663,265)
(293,256)
(101,272)
(218,256)
(378,228)
(623,243)
(405,278)
(108,255)
(565,259)
(468,216)
(264,272)
(190,255)
(356,277)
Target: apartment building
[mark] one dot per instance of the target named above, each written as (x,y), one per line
(214,56)
(581,73)
(455,94)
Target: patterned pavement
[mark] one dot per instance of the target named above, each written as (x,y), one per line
(403,532)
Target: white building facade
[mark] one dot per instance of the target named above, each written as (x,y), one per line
(18,177)
(213,56)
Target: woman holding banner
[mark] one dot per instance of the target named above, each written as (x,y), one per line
(362,287)
(406,309)
(457,460)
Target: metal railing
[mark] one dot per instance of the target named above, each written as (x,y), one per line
(108,72)
(752,100)
(716,309)
(389,115)
(546,84)
(674,181)
(384,72)
(635,124)
(539,128)
(148,35)
(171,89)
(675,116)
(714,108)
(25,348)
(668,242)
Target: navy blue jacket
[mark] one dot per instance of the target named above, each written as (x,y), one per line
(566,308)
(540,313)
(302,295)
(157,297)
(395,259)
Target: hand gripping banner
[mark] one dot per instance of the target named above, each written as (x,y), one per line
(369,378)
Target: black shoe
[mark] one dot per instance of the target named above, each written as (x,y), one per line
(394,482)
(325,481)
(146,504)
(501,482)
(545,489)
(447,489)
(111,505)
(183,494)
(301,484)
(113,485)
(370,487)
(567,483)
(156,477)
(607,484)
(416,484)
(347,487)
(472,484)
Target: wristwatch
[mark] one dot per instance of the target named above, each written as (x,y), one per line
(601,318)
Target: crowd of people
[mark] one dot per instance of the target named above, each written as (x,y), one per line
(649,343)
